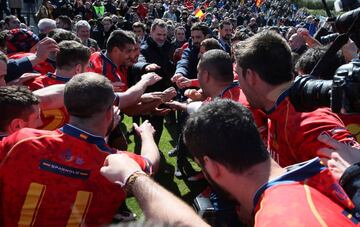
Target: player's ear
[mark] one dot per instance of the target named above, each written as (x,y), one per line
(15,125)
(207,76)
(212,167)
(79,69)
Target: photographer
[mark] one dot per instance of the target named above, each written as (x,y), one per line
(264,67)
(307,62)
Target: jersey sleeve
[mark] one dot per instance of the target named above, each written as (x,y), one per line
(35,84)
(325,122)
(143,162)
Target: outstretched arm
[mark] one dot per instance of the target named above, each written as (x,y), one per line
(157,203)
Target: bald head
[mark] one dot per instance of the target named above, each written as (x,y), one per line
(296,41)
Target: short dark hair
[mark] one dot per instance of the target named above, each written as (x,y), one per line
(242,34)
(66,20)
(71,54)
(87,94)
(60,34)
(139,25)
(133,35)
(201,27)
(210,44)
(223,23)
(158,23)
(225,131)
(310,58)
(8,18)
(268,54)
(119,39)
(180,27)
(219,65)
(15,102)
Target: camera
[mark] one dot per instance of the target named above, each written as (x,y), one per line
(216,211)
(324,40)
(342,94)
(349,22)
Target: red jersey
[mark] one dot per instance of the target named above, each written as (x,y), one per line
(307,195)
(45,81)
(43,68)
(100,63)
(233,92)
(293,135)
(52,178)
(352,123)
(51,118)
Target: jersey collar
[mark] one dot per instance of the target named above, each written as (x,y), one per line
(53,76)
(281,98)
(295,173)
(231,86)
(85,136)
(104,56)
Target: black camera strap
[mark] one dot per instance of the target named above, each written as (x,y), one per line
(322,66)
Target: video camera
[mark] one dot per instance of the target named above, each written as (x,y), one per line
(342,94)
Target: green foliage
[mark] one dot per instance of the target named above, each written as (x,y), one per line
(314,4)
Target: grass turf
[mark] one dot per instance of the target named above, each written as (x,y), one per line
(184,189)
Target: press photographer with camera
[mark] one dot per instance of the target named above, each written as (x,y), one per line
(330,82)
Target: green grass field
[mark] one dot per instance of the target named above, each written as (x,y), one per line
(166,174)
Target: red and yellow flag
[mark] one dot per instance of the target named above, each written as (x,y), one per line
(259,3)
(199,13)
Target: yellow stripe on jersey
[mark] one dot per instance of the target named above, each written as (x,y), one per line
(80,208)
(31,205)
(59,118)
(312,206)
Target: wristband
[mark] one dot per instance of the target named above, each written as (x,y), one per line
(130,180)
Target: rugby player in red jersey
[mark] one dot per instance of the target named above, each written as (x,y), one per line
(112,62)
(59,170)
(215,75)
(72,59)
(226,144)
(264,66)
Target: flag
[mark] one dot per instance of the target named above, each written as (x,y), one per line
(199,13)
(259,3)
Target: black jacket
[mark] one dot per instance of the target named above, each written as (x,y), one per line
(187,66)
(350,181)
(152,53)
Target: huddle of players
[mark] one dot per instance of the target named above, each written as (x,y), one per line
(221,135)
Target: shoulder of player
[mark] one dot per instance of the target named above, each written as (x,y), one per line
(25,135)
(321,118)
(275,203)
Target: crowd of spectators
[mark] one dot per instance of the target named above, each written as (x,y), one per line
(221,71)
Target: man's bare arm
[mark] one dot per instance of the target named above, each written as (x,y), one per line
(149,148)
(157,203)
(133,94)
(51,97)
